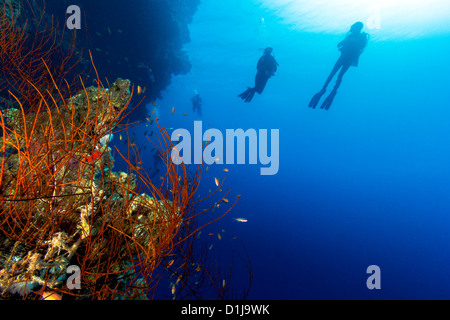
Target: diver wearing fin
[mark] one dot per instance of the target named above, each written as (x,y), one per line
(197,103)
(149,71)
(267,66)
(351,49)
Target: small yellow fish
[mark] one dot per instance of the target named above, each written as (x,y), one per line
(148,119)
(210,234)
(170,263)
(120,137)
(207,169)
(226,170)
(184,114)
(173,110)
(210,247)
(225,200)
(219,236)
(198,269)
(223,283)
(154,104)
(174,288)
(216,181)
(240,220)
(139,89)
(50,296)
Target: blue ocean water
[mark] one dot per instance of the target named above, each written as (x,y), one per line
(365,183)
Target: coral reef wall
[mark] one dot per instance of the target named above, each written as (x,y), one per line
(127,38)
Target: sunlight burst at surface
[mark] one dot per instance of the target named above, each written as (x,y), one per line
(384,19)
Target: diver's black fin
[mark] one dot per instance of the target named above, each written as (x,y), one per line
(247,95)
(329,100)
(250,96)
(315,100)
(244,94)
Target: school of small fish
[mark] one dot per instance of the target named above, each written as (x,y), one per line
(98,154)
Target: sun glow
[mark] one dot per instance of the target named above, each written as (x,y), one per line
(384,19)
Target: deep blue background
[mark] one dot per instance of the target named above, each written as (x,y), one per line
(364,183)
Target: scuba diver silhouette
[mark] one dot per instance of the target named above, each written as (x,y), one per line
(351,48)
(149,71)
(197,103)
(267,66)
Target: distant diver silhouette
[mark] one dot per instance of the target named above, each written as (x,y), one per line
(149,71)
(351,49)
(197,103)
(266,68)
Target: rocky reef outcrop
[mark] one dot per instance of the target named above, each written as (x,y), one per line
(127,38)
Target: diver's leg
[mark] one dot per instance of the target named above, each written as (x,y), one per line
(329,100)
(344,69)
(315,100)
(336,68)
(261,82)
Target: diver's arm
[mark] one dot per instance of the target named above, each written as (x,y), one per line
(365,41)
(275,65)
(342,43)
(272,67)
(259,66)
